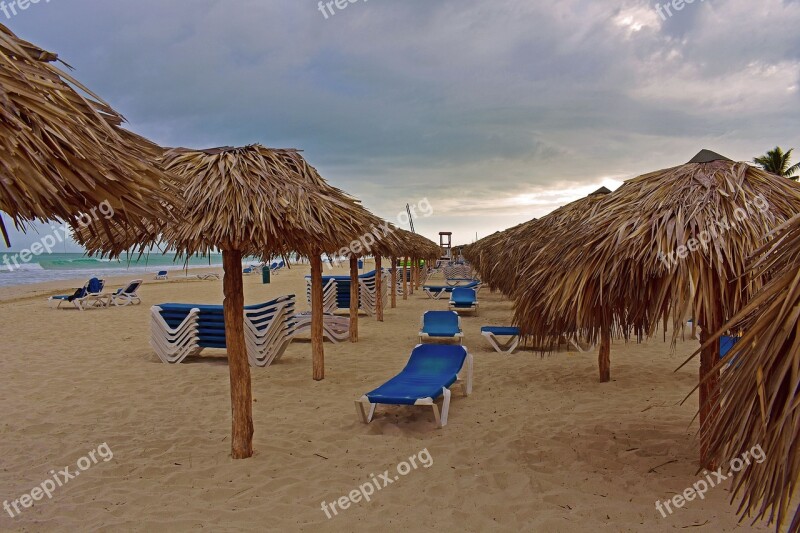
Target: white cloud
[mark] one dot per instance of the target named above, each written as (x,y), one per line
(497,111)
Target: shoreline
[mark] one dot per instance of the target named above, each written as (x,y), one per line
(45,289)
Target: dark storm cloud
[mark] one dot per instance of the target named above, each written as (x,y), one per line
(484,107)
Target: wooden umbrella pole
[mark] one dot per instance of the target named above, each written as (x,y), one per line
(353,298)
(709,394)
(405,278)
(317,348)
(394,283)
(604,357)
(238,363)
(378,288)
(419,274)
(411,276)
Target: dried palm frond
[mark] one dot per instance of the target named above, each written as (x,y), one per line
(62,151)
(615,266)
(760,390)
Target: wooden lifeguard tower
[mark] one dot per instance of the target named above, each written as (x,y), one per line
(446,243)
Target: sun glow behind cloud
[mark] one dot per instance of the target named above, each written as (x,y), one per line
(496,112)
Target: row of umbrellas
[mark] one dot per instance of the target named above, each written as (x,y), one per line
(677,243)
(64,152)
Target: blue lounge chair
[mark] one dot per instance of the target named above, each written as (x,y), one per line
(436,291)
(726,343)
(90,295)
(464,299)
(182,330)
(492,332)
(247,271)
(162,274)
(441,325)
(430,372)
(127,295)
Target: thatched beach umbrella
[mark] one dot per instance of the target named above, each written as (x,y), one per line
(512,253)
(664,244)
(761,387)
(63,153)
(485,254)
(379,239)
(258,201)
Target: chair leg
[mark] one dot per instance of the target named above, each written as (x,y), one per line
(506,348)
(442,421)
(362,414)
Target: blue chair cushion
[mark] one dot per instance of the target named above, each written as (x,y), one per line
(501,330)
(430,368)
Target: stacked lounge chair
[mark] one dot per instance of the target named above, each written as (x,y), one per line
(162,274)
(329,295)
(457,271)
(367,286)
(182,330)
(334,328)
(430,373)
(340,286)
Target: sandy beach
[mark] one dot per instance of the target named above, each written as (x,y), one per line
(540,445)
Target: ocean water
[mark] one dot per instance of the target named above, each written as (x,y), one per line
(53,267)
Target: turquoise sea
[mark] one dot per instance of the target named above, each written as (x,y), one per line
(51,267)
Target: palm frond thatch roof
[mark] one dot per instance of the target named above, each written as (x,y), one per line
(259,200)
(415,245)
(502,259)
(620,265)
(264,201)
(62,150)
(760,390)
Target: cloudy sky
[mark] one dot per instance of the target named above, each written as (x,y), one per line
(496,112)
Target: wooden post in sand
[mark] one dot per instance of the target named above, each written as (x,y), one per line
(405,278)
(604,357)
(709,393)
(410,276)
(378,288)
(394,282)
(317,348)
(353,298)
(413,276)
(238,363)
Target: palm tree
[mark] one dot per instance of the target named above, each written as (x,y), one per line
(777,162)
